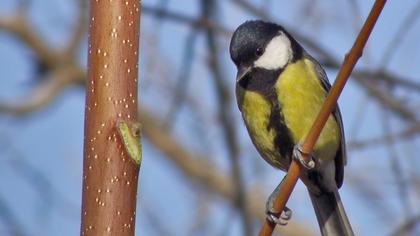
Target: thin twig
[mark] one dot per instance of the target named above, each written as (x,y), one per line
(396,168)
(79,29)
(407,226)
(325,58)
(400,136)
(183,78)
(196,168)
(10,220)
(388,101)
(194,22)
(330,103)
(225,114)
(18,26)
(402,31)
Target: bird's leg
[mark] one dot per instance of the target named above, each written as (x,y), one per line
(298,155)
(270,212)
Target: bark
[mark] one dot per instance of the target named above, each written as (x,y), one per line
(109,175)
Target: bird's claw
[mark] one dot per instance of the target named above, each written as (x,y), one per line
(284,218)
(298,155)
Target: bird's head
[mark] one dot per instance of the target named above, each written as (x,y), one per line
(259,44)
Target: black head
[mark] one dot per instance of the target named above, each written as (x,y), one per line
(250,42)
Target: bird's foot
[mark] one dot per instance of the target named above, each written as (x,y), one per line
(298,155)
(273,215)
(284,218)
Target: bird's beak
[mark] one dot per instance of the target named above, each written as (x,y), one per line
(242,72)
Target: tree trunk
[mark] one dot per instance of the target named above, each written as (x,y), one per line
(109,174)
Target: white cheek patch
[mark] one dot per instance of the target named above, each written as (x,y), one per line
(277,53)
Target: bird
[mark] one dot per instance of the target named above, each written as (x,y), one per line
(280,90)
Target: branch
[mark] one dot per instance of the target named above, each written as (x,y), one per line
(15,228)
(110,172)
(325,58)
(18,26)
(180,18)
(406,227)
(388,101)
(307,41)
(397,40)
(350,60)
(388,78)
(45,91)
(79,29)
(395,166)
(225,116)
(197,169)
(397,136)
(184,77)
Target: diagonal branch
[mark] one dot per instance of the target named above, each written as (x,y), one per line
(330,103)
(325,58)
(79,29)
(397,136)
(180,18)
(15,228)
(225,116)
(45,91)
(197,169)
(17,25)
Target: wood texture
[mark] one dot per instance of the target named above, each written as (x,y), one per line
(109,175)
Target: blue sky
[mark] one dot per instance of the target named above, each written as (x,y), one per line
(50,140)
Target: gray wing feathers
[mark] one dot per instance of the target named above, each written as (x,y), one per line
(341,157)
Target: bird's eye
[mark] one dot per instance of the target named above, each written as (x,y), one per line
(259,52)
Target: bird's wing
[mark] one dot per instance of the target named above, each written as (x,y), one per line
(341,156)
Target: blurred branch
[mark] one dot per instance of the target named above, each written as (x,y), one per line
(200,218)
(296,169)
(389,78)
(395,166)
(45,91)
(154,220)
(197,169)
(307,41)
(226,116)
(388,101)
(371,193)
(79,29)
(405,134)
(17,25)
(406,227)
(397,40)
(324,56)
(55,82)
(180,18)
(180,92)
(38,180)
(15,228)
(328,60)
(61,69)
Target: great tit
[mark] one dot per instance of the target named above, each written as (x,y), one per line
(280,89)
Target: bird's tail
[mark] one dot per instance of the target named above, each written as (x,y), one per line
(330,213)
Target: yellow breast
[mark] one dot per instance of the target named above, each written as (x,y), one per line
(301,96)
(256,112)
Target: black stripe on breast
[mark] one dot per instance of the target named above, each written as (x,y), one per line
(283,138)
(263,82)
